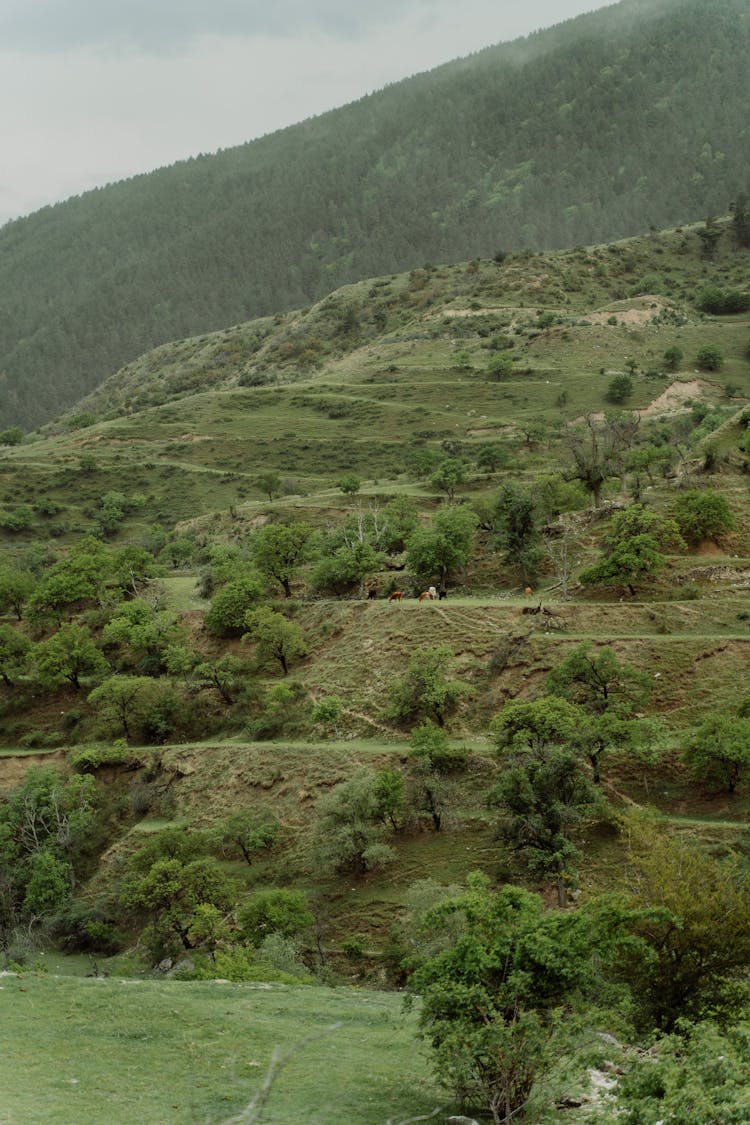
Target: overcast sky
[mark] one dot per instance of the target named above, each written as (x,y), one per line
(93,91)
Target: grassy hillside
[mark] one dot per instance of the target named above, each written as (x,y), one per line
(137,511)
(570,136)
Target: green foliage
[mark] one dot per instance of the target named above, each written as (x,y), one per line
(697,1074)
(620,389)
(718,751)
(515,528)
(16,587)
(230,605)
(68,656)
(280,549)
(274,910)
(448,475)
(440,550)
(275,637)
(269,484)
(348,567)
(47,826)
(493,997)
(500,367)
(673,357)
(140,707)
(697,932)
(632,551)
(12,436)
(173,894)
(245,833)
(14,650)
(426,692)
(710,357)
(89,759)
(723,302)
(350,484)
(351,824)
(703,515)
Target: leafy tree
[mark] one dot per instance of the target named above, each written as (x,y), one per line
(620,388)
(347,567)
(138,707)
(718,751)
(269,484)
(438,551)
(246,832)
(14,649)
(544,798)
(431,761)
(71,583)
(276,638)
(532,726)
(697,932)
(673,357)
(229,606)
(171,894)
(516,528)
(633,548)
(69,655)
(16,587)
(500,367)
(600,682)
(280,549)
(274,910)
(710,358)
(491,456)
(400,518)
(494,994)
(145,632)
(426,692)
(703,515)
(351,824)
(449,474)
(227,674)
(12,436)
(699,1069)
(350,484)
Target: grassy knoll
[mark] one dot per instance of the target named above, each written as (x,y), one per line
(132,1052)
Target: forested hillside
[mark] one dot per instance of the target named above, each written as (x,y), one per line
(631,116)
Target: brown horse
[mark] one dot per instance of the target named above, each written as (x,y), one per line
(425,596)
(396,596)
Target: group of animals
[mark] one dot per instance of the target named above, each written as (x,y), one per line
(429,595)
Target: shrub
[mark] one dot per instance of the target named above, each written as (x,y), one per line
(710,358)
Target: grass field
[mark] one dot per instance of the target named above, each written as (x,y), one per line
(134,1052)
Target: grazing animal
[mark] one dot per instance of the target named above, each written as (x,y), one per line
(425,596)
(433,593)
(396,596)
(372,595)
(528,591)
(443,593)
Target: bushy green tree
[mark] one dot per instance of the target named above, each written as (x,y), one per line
(633,549)
(274,910)
(620,389)
(436,552)
(16,587)
(352,824)
(426,691)
(495,994)
(171,894)
(68,656)
(710,357)
(280,549)
(246,833)
(718,751)
(140,707)
(276,638)
(703,515)
(14,649)
(230,604)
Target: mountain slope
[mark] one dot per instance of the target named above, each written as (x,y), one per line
(631,116)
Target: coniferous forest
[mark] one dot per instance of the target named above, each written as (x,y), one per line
(629,117)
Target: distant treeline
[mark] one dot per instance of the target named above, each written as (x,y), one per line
(632,116)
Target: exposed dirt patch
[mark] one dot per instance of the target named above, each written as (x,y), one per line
(644,312)
(674,397)
(14,770)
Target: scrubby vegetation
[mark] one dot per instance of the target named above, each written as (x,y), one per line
(399,674)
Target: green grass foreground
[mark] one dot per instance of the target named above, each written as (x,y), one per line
(146,1052)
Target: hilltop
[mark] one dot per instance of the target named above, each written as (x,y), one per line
(630,117)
